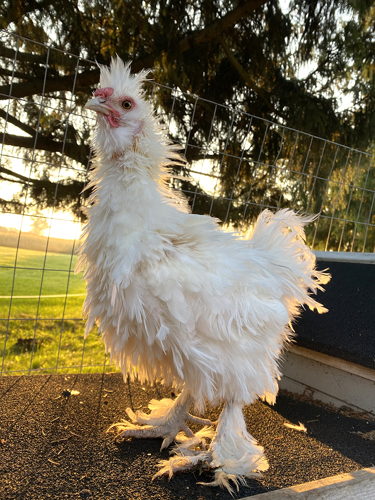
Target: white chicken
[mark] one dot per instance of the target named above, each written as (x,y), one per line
(179,300)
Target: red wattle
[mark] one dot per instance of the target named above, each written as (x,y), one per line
(112,120)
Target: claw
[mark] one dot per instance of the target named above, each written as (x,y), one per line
(179,463)
(120,426)
(166,442)
(130,413)
(224,480)
(189,433)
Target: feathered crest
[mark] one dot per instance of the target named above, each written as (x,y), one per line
(118,76)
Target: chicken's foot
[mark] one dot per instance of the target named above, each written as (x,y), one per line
(233,454)
(167,419)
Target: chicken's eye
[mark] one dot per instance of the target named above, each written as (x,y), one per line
(127,104)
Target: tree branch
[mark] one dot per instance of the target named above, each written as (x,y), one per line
(14,121)
(14,74)
(77,152)
(17,181)
(87,78)
(14,13)
(244,75)
(19,90)
(19,177)
(216,29)
(55,57)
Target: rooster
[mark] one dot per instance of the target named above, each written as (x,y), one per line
(179,300)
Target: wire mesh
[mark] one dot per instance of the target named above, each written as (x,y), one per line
(237,165)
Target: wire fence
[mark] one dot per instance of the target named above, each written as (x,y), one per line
(238,165)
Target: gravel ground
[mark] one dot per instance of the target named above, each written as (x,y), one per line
(53,444)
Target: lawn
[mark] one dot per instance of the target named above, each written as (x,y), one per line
(41,325)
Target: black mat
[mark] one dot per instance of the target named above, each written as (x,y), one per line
(348,329)
(53,445)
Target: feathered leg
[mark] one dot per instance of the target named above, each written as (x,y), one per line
(233,453)
(167,418)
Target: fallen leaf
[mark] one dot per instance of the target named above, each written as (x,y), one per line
(300,427)
(370,435)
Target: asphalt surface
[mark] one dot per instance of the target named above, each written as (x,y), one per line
(348,329)
(53,443)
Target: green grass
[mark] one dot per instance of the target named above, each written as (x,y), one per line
(46,333)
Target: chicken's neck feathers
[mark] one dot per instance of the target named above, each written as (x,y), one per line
(130,198)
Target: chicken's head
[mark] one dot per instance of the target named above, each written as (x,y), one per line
(121,110)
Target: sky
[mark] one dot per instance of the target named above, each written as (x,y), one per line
(57,223)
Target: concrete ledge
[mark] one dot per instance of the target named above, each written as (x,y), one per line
(353,257)
(328,379)
(359,484)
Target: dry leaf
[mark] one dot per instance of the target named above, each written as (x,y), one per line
(370,435)
(300,427)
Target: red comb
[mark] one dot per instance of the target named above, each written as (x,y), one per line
(106,92)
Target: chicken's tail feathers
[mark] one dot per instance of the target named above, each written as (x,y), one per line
(280,237)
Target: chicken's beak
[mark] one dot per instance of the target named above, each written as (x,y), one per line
(97,104)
